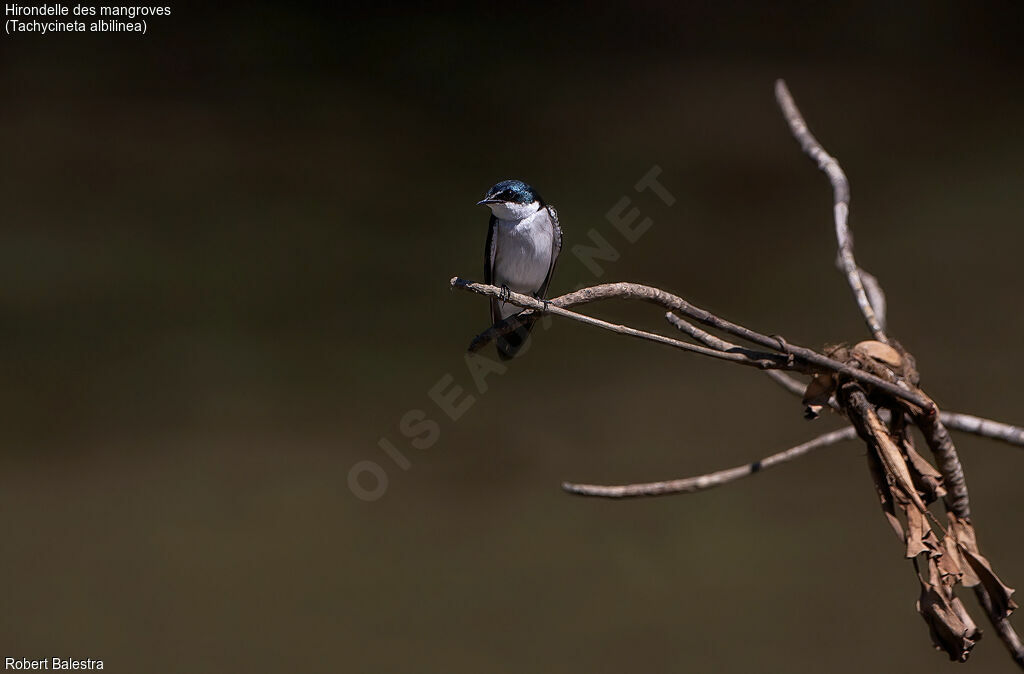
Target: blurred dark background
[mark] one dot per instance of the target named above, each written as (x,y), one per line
(224,261)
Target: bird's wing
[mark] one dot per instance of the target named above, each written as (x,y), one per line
(489,252)
(556,248)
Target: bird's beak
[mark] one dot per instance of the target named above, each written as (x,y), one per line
(484,202)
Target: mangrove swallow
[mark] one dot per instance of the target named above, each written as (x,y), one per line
(523,242)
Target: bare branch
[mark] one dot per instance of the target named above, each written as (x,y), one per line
(1002,626)
(702,482)
(796,358)
(841,205)
(986,428)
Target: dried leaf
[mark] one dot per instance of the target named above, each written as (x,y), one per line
(819,389)
(926,478)
(892,461)
(818,392)
(949,564)
(951,627)
(963,534)
(918,532)
(885,495)
(946,624)
(1002,595)
(883,353)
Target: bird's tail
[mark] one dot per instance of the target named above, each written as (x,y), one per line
(510,343)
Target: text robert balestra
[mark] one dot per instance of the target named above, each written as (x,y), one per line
(55,664)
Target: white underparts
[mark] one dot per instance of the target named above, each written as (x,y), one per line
(522,256)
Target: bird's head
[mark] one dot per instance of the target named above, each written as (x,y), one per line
(511,200)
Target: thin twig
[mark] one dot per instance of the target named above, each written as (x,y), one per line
(701,336)
(706,338)
(1002,626)
(702,482)
(796,358)
(876,296)
(789,383)
(841,204)
(986,428)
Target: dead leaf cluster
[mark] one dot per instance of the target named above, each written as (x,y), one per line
(907,484)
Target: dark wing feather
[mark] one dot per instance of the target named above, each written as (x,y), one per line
(556,248)
(489,250)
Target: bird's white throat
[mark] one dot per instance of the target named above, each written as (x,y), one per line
(513,211)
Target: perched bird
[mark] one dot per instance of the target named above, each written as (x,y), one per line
(523,242)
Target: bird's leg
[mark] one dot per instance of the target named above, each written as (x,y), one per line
(506,293)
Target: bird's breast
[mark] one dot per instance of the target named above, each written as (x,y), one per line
(522,255)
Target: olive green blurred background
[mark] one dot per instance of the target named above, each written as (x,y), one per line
(224,261)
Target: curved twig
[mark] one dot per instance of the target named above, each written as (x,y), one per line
(701,482)
(841,204)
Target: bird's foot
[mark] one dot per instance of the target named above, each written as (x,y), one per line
(506,293)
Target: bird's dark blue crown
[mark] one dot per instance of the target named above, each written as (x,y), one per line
(515,191)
